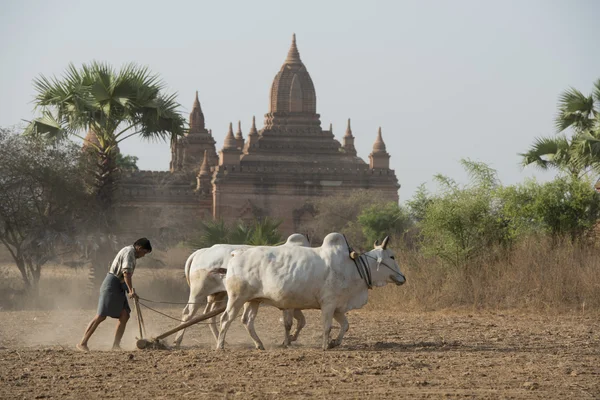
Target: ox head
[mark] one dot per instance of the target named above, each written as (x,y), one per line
(387,270)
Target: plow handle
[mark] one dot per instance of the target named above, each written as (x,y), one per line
(139,316)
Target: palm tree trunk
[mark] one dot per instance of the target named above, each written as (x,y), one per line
(106,177)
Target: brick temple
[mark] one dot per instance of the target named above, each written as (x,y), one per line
(274,171)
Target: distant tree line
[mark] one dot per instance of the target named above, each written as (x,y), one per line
(56,199)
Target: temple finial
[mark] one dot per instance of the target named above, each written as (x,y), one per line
(238,134)
(196,117)
(293,54)
(196,101)
(379,145)
(349,129)
(230,142)
(253,130)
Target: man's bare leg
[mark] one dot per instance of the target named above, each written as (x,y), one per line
(89,331)
(123,318)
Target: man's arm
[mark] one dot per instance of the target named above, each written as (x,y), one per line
(129,284)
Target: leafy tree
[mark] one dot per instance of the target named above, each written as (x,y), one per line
(565,206)
(42,199)
(378,221)
(340,213)
(127,163)
(418,204)
(462,221)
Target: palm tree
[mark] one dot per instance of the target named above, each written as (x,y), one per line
(111,106)
(240,233)
(213,232)
(580,153)
(265,231)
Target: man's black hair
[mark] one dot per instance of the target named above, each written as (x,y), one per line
(144,244)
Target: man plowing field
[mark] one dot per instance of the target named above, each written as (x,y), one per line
(113,292)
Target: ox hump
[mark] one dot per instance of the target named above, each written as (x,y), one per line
(297,239)
(334,239)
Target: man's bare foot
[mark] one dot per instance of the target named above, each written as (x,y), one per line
(82,347)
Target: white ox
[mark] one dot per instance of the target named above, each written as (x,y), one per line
(324,278)
(204,272)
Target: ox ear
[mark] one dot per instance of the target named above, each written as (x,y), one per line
(385,242)
(376,244)
(221,271)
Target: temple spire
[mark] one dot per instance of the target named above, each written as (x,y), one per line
(379,158)
(330,127)
(379,145)
(349,141)
(196,101)
(348,130)
(205,168)
(253,130)
(239,139)
(293,56)
(230,143)
(252,136)
(197,117)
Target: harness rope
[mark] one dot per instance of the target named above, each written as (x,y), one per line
(168,316)
(364,270)
(173,302)
(361,266)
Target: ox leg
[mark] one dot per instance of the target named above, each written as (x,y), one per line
(300,323)
(234,306)
(215,301)
(246,314)
(188,312)
(288,319)
(341,319)
(250,311)
(326,319)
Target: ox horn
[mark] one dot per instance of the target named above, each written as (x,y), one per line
(385,242)
(376,244)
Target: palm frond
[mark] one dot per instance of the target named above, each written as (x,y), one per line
(586,151)
(46,124)
(596,94)
(548,153)
(111,102)
(574,110)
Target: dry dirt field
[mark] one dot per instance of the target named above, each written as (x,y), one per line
(385,355)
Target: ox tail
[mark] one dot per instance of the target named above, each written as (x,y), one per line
(188,265)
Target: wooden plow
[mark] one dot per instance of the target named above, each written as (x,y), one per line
(154,343)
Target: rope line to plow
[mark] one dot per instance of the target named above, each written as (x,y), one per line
(168,316)
(174,302)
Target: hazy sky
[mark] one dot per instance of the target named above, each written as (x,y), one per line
(444,79)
